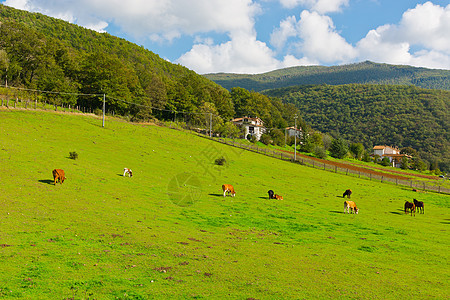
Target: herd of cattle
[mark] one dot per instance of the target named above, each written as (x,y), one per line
(228,189)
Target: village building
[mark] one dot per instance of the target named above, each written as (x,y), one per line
(252,126)
(393,153)
(290,131)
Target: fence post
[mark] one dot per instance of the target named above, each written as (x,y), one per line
(335,169)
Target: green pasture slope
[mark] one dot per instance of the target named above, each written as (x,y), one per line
(168,233)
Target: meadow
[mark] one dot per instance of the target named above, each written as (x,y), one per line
(168,232)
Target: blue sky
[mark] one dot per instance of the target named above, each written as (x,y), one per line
(256,36)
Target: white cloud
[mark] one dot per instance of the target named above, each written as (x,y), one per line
(287,29)
(426,27)
(316,38)
(242,54)
(320,6)
(163,20)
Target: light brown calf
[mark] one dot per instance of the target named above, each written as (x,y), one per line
(228,188)
(350,206)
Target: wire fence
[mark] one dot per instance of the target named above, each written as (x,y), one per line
(309,162)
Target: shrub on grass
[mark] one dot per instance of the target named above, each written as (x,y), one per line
(220,161)
(73,155)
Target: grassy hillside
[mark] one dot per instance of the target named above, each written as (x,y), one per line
(365,72)
(168,232)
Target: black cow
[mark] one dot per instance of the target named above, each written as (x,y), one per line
(347,193)
(419,205)
(271,194)
(411,207)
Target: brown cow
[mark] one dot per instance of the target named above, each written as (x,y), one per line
(58,175)
(278,197)
(410,206)
(350,206)
(228,188)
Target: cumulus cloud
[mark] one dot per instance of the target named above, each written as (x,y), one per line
(162,20)
(242,54)
(320,6)
(426,26)
(316,38)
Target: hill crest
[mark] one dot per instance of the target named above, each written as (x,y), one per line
(363,72)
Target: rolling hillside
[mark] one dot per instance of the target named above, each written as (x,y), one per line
(365,72)
(169,233)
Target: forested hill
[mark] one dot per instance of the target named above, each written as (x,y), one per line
(404,116)
(365,72)
(48,54)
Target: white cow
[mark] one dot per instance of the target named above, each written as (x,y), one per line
(127,171)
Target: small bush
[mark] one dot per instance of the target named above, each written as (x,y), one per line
(320,152)
(220,161)
(73,155)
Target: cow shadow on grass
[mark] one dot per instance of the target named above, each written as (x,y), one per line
(47,181)
(336,212)
(216,195)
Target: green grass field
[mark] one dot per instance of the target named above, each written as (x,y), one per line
(168,232)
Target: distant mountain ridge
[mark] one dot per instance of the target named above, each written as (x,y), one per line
(365,73)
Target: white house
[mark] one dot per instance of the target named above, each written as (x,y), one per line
(393,153)
(290,131)
(252,126)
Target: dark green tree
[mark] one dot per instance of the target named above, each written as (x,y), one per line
(338,148)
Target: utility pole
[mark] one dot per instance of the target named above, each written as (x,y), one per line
(210,125)
(295,138)
(104,106)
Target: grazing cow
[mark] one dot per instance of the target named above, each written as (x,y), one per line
(278,197)
(271,193)
(58,175)
(347,193)
(350,207)
(228,188)
(127,171)
(419,205)
(410,206)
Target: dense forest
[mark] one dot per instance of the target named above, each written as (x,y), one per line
(402,116)
(42,53)
(365,72)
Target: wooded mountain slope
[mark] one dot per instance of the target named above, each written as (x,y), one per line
(365,72)
(43,53)
(403,116)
